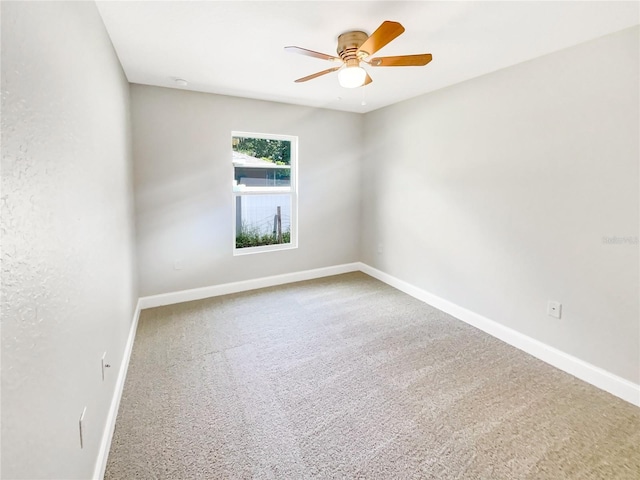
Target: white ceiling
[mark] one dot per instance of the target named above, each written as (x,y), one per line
(236,47)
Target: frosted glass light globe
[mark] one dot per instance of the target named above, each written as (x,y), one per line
(352,77)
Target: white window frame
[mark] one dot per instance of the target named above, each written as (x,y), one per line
(291,190)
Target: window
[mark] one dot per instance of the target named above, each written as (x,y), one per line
(264,191)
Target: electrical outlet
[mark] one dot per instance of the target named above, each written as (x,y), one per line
(105,365)
(554,309)
(177,264)
(380,248)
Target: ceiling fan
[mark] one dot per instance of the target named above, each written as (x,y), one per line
(355,47)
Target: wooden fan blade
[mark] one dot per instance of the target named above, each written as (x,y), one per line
(311,53)
(386,32)
(401,61)
(367,80)
(315,75)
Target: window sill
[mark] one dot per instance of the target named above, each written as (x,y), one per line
(263,249)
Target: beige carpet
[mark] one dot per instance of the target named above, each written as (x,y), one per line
(345,377)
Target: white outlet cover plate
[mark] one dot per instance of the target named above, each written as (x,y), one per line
(554,309)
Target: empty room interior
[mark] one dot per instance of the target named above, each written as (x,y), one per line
(333,239)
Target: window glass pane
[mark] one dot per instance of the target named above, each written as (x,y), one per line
(263,220)
(261,162)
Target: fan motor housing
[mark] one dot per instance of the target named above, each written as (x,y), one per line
(348,45)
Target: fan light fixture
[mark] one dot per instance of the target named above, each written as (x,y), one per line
(355,47)
(352,77)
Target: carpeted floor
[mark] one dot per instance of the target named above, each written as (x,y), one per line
(345,377)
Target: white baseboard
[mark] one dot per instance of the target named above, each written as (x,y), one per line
(110,424)
(596,376)
(235,287)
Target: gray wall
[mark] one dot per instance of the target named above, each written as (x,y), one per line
(68,289)
(496,193)
(183,180)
